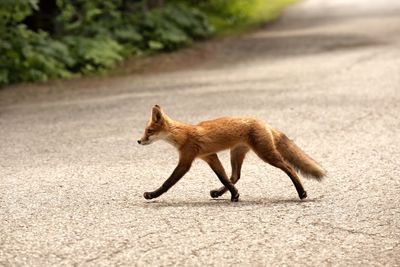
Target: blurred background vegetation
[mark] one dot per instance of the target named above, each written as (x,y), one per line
(43,39)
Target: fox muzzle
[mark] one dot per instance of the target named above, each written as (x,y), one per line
(144,142)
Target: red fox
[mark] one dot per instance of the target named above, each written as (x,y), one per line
(239,134)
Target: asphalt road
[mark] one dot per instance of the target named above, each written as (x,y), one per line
(327,74)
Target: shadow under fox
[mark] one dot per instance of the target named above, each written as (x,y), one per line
(240,135)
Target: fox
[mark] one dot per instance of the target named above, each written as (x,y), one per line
(239,134)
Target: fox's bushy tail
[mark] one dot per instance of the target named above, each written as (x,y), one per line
(299,159)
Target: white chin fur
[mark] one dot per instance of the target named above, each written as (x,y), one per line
(154,138)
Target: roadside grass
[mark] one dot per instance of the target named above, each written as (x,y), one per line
(245,15)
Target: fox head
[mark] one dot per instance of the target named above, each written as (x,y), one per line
(155,129)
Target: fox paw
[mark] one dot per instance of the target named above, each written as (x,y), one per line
(148,195)
(235,198)
(215,193)
(303,195)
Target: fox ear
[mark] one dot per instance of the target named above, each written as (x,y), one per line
(157,115)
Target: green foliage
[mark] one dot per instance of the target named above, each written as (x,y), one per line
(26,55)
(172,27)
(234,15)
(165,28)
(90,36)
(29,56)
(12,11)
(93,54)
(88,18)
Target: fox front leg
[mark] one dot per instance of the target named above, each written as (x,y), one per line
(180,170)
(238,154)
(219,170)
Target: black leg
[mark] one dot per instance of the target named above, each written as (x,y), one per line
(237,157)
(177,174)
(219,170)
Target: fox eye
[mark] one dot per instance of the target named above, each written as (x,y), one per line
(150,131)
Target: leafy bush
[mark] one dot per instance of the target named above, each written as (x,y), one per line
(26,55)
(93,54)
(90,36)
(12,12)
(29,56)
(166,28)
(170,28)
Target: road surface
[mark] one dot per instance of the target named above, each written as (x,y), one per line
(327,74)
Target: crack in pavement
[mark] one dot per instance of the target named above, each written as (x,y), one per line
(351,231)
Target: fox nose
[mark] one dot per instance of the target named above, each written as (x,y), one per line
(138,141)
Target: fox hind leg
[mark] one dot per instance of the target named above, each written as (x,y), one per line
(294,177)
(275,159)
(238,154)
